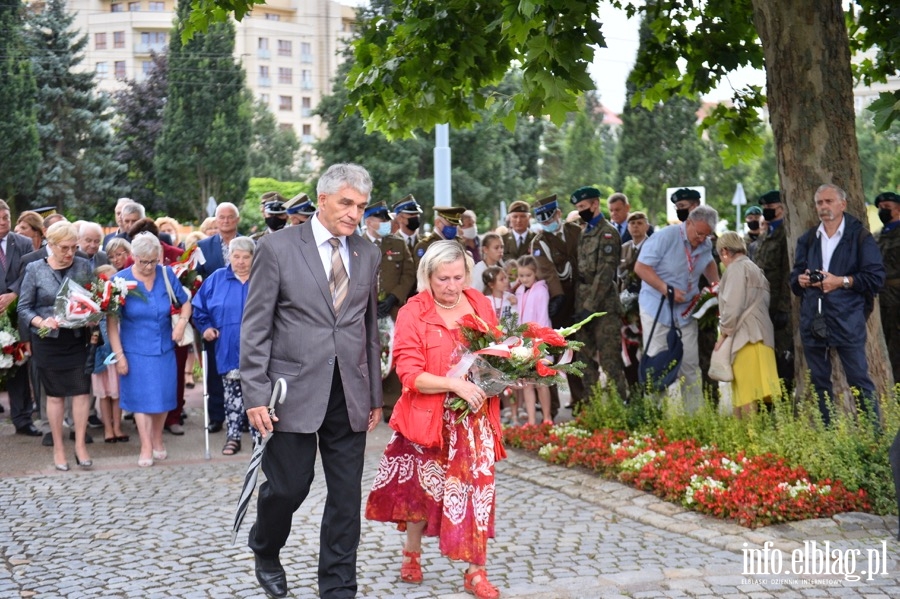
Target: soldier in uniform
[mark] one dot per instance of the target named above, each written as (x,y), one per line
(272,205)
(395,282)
(517,241)
(555,248)
(888,205)
(447,220)
(407,214)
(753,218)
(597,290)
(299,208)
(772,258)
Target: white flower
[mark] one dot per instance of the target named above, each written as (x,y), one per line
(520,353)
(6,361)
(6,338)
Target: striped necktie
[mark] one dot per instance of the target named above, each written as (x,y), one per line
(338,282)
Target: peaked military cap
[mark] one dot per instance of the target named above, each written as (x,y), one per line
(584,193)
(378,209)
(685,194)
(407,205)
(300,204)
(770,197)
(451,214)
(545,208)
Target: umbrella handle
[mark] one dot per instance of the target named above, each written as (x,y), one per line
(279,391)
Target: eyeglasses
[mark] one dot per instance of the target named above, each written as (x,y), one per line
(66,249)
(148,262)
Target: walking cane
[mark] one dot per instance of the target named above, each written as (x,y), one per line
(205,365)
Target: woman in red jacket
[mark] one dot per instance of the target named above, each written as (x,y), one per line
(436,477)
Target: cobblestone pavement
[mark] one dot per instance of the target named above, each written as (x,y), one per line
(161,532)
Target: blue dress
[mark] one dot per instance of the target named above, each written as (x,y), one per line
(145,328)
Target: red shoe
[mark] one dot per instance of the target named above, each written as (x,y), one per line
(482,589)
(411,570)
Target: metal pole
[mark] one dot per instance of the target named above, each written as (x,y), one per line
(442,194)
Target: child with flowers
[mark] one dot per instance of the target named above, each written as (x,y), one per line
(533,299)
(496,288)
(105,378)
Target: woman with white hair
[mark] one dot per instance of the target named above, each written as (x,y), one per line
(143,340)
(426,472)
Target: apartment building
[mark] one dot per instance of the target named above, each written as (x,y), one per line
(290,49)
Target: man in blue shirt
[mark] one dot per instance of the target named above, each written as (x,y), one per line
(675,257)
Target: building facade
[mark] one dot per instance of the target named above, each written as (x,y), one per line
(290,49)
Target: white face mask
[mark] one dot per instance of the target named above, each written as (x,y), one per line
(384,228)
(469,232)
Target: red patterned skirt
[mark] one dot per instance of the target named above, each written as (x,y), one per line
(451,488)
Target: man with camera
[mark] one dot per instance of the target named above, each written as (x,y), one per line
(837,272)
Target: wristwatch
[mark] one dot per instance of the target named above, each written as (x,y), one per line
(846,283)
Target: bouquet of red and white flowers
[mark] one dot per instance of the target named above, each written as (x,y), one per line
(705,307)
(12,349)
(78,306)
(495,357)
(186,269)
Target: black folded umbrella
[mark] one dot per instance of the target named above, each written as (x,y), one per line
(894,457)
(278,393)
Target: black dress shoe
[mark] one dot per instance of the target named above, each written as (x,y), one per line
(271,576)
(215,427)
(87,438)
(29,430)
(47,441)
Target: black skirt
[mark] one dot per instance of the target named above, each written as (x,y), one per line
(60,362)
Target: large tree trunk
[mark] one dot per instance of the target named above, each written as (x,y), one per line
(810,101)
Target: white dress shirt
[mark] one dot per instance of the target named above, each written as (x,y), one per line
(830,243)
(322,235)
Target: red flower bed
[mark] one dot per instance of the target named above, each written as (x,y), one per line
(752,491)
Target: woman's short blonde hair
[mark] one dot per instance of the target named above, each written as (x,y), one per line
(438,254)
(118,243)
(207,223)
(731,241)
(168,220)
(193,237)
(62,231)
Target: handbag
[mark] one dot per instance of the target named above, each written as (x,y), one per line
(720,368)
(661,370)
(188,337)
(418,417)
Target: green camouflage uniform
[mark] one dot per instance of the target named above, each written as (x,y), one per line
(889,244)
(772,258)
(597,291)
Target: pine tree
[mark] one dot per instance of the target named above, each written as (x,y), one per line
(204,147)
(140,120)
(19,141)
(78,169)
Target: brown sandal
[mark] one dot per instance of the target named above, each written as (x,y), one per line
(232,446)
(411,569)
(481,589)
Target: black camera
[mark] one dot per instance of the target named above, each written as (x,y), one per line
(816,276)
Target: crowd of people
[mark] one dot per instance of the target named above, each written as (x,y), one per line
(305,299)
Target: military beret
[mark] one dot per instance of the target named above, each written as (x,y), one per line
(407,205)
(753,210)
(519,206)
(378,209)
(770,197)
(545,208)
(271,196)
(451,214)
(584,193)
(888,196)
(300,204)
(685,194)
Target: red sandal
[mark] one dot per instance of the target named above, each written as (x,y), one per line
(411,570)
(481,589)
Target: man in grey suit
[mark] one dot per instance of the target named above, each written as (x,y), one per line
(311,319)
(12,248)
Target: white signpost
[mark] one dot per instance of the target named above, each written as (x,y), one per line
(737,201)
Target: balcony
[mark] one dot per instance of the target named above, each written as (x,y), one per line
(306,58)
(306,84)
(264,54)
(264,81)
(148,47)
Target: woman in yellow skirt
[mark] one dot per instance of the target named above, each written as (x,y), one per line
(744,315)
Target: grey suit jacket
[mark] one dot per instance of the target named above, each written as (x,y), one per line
(289,330)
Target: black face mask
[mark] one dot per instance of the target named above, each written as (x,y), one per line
(769,214)
(753,225)
(412,223)
(586,215)
(884,215)
(275,223)
(682,213)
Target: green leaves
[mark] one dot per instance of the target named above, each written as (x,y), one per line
(886,109)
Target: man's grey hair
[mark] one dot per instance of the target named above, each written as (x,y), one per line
(87,226)
(437,254)
(242,244)
(344,174)
(146,245)
(229,206)
(123,201)
(705,214)
(840,191)
(134,208)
